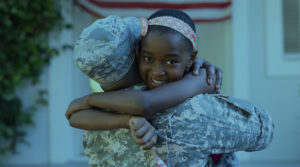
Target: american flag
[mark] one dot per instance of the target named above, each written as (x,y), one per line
(198,10)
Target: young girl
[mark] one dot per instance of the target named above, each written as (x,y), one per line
(164,56)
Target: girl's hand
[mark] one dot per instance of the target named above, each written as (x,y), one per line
(213,72)
(77,105)
(142,132)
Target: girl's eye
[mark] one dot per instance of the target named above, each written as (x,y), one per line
(148,59)
(171,62)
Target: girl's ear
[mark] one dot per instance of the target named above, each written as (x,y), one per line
(193,56)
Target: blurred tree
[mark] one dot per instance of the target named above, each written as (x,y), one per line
(24,51)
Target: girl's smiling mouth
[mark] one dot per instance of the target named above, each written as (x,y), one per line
(156,83)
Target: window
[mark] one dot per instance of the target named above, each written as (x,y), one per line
(282,37)
(291,27)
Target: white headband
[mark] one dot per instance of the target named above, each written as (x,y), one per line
(171,22)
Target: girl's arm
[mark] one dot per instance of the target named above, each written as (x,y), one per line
(95,119)
(145,103)
(142,131)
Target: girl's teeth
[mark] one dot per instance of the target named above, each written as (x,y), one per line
(157,82)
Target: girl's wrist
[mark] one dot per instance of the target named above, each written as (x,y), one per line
(86,100)
(126,120)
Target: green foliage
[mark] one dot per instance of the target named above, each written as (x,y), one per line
(24,50)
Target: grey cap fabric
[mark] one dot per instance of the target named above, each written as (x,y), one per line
(105,49)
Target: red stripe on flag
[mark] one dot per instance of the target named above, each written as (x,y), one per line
(88,10)
(159,5)
(212,20)
(97,14)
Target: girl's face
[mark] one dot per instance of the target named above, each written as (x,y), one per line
(163,58)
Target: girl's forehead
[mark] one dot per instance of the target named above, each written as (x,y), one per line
(162,34)
(167,40)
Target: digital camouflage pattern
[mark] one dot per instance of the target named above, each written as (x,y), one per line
(188,134)
(105,49)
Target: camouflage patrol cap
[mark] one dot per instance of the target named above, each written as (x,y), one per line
(105,49)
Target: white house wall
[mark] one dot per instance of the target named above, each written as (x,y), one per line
(279,95)
(214,44)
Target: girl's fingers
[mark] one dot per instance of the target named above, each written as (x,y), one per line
(70,111)
(219,78)
(150,133)
(197,65)
(196,69)
(139,141)
(151,143)
(138,124)
(67,115)
(140,132)
(210,74)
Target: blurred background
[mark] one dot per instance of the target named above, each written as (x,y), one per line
(255,42)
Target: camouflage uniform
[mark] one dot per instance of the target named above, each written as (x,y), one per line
(188,134)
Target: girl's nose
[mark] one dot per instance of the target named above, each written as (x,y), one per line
(158,70)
